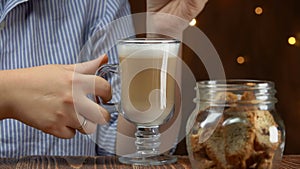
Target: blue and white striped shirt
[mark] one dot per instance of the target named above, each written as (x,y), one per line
(39,32)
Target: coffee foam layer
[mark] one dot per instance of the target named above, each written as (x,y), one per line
(146,50)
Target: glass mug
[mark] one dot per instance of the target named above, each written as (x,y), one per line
(146,87)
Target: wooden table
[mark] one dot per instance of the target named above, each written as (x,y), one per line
(49,162)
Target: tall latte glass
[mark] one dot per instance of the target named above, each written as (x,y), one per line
(147,69)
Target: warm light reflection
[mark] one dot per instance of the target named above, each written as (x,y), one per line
(292,40)
(193,22)
(258,10)
(240,60)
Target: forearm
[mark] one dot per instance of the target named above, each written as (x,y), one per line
(7,84)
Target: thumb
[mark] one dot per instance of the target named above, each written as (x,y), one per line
(90,67)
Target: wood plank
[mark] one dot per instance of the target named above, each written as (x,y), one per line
(107,162)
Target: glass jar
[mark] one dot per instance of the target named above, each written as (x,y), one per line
(235,126)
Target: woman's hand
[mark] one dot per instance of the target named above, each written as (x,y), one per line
(172,16)
(185,9)
(53,98)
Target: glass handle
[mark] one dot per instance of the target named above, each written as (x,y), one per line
(110,72)
(107,68)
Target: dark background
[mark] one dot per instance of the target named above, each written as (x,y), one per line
(236,30)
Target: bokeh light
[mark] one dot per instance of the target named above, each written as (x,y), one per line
(258,10)
(193,22)
(240,60)
(292,40)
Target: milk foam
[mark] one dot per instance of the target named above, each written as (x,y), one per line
(148,50)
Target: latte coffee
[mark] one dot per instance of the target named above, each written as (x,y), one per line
(147,81)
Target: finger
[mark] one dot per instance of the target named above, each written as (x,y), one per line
(103,89)
(92,112)
(97,86)
(86,127)
(90,67)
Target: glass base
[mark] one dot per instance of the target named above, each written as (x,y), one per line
(137,159)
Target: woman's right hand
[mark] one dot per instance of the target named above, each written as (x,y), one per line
(53,98)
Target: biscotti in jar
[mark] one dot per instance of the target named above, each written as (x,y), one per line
(235,126)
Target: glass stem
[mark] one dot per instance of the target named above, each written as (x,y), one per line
(147,140)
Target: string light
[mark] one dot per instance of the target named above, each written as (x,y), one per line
(292,40)
(240,60)
(258,10)
(193,22)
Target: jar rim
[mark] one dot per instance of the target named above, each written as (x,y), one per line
(250,84)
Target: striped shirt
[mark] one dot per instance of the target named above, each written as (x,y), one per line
(39,32)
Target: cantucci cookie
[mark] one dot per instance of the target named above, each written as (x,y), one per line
(239,135)
(215,148)
(267,134)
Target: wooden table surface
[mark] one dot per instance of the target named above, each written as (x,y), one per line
(49,162)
